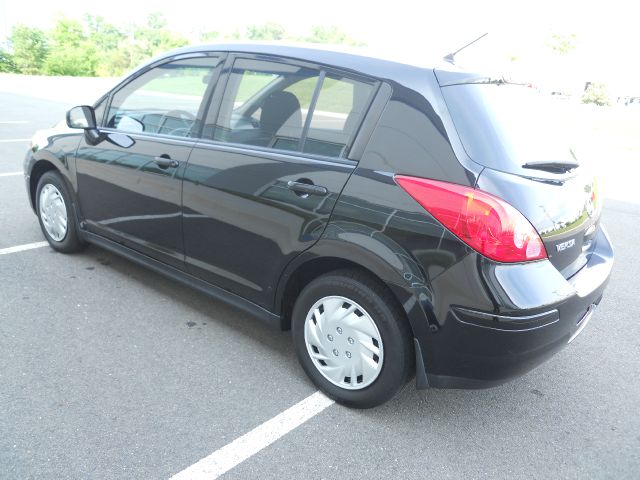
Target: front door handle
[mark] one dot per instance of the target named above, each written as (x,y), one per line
(165,161)
(307,188)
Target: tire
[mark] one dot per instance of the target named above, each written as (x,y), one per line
(53,202)
(351,320)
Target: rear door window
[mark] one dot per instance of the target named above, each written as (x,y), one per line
(338,113)
(260,108)
(284,106)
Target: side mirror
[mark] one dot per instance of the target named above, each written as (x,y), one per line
(83,117)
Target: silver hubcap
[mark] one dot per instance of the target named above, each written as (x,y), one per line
(53,212)
(344,342)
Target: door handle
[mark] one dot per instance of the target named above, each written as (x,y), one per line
(307,188)
(165,161)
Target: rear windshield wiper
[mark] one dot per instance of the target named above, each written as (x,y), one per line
(552,166)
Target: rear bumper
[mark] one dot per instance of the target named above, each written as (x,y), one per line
(539,313)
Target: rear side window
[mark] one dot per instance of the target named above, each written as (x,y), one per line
(165,100)
(293,108)
(504,126)
(337,114)
(260,106)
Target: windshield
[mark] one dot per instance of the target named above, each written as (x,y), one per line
(504,126)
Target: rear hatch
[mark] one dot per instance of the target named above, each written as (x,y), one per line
(518,136)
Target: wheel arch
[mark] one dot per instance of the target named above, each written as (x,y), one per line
(39,168)
(307,270)
(48,163)
(354,246)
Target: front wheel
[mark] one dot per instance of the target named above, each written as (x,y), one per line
(352,339)
(56,214)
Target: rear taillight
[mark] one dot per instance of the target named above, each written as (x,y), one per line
(486,223)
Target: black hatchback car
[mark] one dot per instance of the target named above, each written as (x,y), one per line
(398,219)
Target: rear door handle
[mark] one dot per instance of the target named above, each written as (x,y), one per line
(307,189)
(165,161)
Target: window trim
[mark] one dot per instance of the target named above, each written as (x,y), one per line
(282,154)
(104,98)
(213,110)
(311,111)
(204,102)
(370,121)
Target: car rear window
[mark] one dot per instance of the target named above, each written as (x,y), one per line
(503,126)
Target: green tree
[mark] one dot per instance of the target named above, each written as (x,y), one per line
(113,56)
(104,35)
(73,53)
(29,46)
(154,37)
(332,35)
(128,54)
(266,31)
(73,61)
(596,93)
(67,32)
(7,64)
(562,44)
(210,36)
(235,35)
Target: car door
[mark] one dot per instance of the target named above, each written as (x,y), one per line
(261,185)
(130,180)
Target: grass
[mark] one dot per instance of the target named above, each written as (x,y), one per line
(335,96)
(251,84)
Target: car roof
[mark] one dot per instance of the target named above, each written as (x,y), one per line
(358,59)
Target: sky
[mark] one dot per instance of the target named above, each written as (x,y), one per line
(607,33)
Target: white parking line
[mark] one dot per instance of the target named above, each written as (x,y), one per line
(10,174)
(10,140)
(236,452)
(22,248)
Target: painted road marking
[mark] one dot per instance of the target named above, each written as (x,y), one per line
(9,140)
(244,447)
(22,248)
(10,174)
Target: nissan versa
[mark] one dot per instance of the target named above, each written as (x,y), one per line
(398,219)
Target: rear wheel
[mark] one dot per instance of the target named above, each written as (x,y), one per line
(56,214)
(352,339)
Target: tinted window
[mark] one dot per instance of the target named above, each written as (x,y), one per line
(338,113)
(505,126)
(265,104)
(164,100)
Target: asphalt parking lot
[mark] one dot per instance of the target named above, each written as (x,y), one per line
(108,370)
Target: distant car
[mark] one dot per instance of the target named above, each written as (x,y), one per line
(399,219)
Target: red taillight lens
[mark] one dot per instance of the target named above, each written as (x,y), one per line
(486,223)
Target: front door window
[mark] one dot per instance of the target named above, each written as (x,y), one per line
(165,100)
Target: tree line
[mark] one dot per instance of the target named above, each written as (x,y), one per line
(94,47)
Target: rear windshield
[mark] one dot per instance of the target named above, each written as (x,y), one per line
(504,126)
